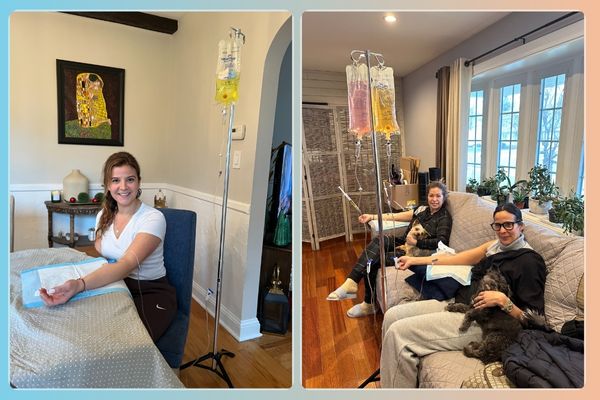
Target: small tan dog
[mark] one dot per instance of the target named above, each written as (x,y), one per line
(418,232)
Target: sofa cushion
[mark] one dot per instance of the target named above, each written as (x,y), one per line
(490,377)
(398,290)
(471,218)
(564,277)
(446,369)
(579,298)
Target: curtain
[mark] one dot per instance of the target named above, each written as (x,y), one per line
(443,77)
(458,124)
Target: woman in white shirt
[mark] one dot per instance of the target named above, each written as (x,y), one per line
(131,233)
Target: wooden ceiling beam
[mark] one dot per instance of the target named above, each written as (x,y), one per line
(136,19)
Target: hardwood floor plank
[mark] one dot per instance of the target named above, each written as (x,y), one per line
(337,351)
(264,362)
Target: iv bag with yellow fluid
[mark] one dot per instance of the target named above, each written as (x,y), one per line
(228,70)
(384,103)
(359,116)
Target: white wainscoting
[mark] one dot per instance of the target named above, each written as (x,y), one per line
(31,229)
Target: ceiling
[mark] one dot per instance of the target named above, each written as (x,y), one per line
(413,40)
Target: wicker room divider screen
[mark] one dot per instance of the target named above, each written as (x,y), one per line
(329,161)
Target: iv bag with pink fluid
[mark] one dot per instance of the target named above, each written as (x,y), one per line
(359,117)
(384,103)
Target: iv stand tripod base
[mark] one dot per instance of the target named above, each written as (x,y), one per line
(373,378)
(217,366)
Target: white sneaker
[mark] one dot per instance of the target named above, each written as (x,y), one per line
(362,310)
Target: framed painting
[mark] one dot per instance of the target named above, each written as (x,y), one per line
(90,104)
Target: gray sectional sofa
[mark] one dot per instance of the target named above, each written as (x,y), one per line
(564,257)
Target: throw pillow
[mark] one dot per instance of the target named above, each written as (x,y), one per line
(490,377)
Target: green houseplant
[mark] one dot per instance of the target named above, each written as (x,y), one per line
(493,186)
(555,213)
(520,191)
(570,211)
(543,189)
(472,185)
(501,188)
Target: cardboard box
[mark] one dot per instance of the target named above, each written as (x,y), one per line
(405,196)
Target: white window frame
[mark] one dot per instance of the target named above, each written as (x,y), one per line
(476,88)
(571,141)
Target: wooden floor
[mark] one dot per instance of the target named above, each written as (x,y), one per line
(337,351)
(265,362)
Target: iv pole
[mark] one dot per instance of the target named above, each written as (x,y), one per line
(216,365)
(367,54)
(375,148)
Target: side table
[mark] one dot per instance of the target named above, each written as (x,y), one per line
(72,210)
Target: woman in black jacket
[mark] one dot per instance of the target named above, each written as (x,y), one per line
(436,220)
(414,330)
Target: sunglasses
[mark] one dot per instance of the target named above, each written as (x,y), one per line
(506,225)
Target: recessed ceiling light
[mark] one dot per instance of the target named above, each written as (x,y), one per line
(390,19)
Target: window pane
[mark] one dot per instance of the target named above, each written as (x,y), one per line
(508,132)
(545,132)
(560,90)
(516,98)
(471,135)
(513,154)
(506,99)
(549,90)
(505,126)
(541,156)
(473,103)
(550,118)
(557,123)
(515,127)
(470,153)
(504,154)
(475,134)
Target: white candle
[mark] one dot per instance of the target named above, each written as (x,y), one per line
(55,196)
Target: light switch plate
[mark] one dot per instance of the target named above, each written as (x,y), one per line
(237,155)
(238,132)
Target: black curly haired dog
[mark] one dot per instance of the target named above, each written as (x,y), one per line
(499,329)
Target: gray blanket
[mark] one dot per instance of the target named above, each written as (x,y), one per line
(97,342)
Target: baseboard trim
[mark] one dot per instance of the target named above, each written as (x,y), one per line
(241,330)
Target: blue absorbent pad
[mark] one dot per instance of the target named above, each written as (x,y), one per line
(49,276)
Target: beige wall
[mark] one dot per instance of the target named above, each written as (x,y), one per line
(198,133)
(37,40)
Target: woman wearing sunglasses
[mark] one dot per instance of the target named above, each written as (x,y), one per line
(413,330)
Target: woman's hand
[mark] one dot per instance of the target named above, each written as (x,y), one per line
(489,298)
(364,218)
(405,262)
(62,293)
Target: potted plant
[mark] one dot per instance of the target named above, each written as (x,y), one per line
(472,185)
(491,186)
(520,192)
(571,213)
(555,213)
(501,188)
(543,190)
(501,192)
(484,188)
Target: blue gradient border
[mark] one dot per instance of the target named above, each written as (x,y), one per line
(297,7)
